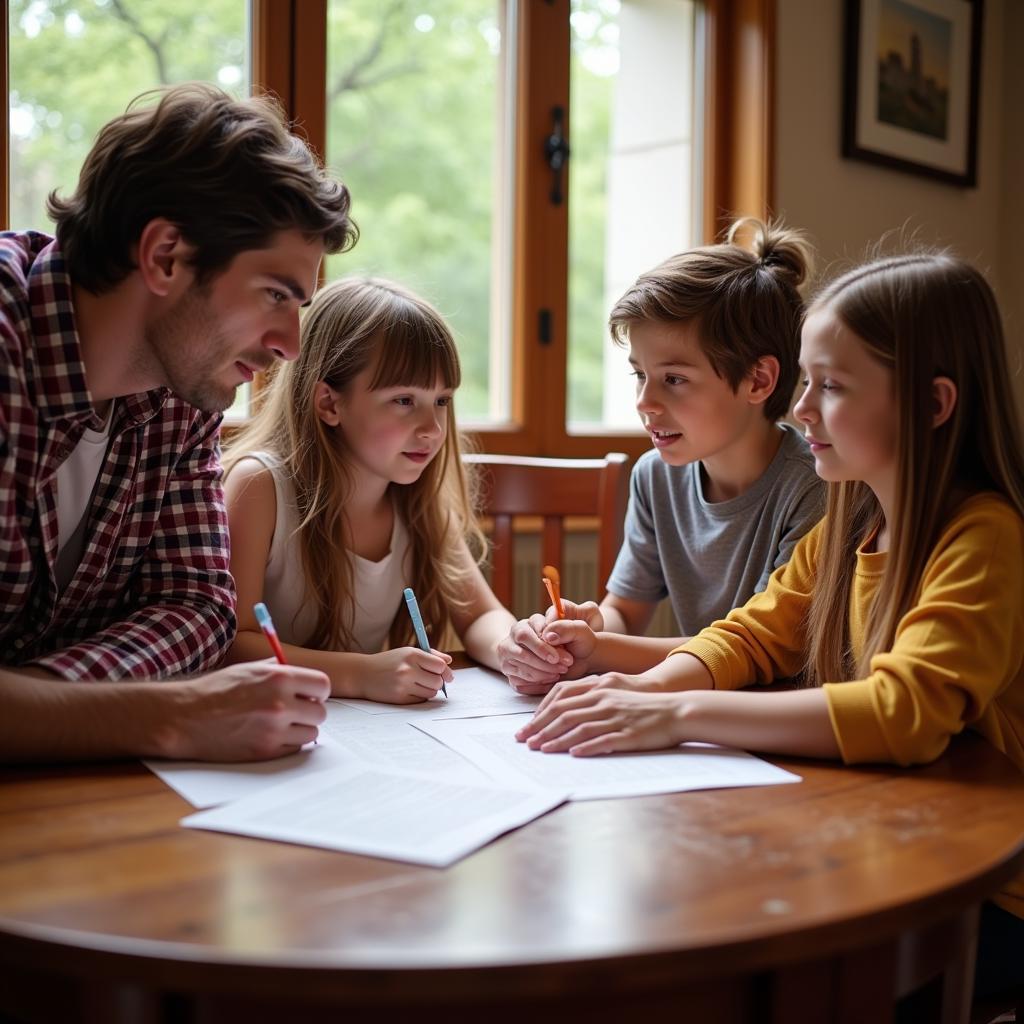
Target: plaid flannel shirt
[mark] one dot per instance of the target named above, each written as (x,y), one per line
(152,596)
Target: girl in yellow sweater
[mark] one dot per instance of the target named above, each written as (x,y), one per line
(902,612)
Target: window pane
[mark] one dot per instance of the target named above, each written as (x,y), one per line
(75,64)
(416,127)
(631,197)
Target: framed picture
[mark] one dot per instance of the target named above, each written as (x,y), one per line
(910,89)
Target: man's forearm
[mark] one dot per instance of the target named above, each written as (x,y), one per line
(51,719)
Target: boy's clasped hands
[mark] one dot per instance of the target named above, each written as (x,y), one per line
(543,649)
(583,713)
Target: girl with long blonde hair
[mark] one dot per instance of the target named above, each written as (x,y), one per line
(346,487)
(903,610)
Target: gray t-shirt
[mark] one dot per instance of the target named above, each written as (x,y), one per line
(710,557)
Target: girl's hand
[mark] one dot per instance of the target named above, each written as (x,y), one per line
(595,717)
(565,690)
(609,681)
(531,664)
(406,675)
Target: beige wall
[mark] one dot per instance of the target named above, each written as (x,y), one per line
(1011,207)
(847,204)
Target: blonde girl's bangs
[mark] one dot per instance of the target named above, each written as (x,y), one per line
(415,352)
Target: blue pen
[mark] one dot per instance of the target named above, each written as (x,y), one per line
(417,624)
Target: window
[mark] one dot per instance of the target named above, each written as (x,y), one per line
(442,117)
(111,50)
(417,115)
(634,184)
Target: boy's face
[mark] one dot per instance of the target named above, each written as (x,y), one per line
(216,336)
(690,412)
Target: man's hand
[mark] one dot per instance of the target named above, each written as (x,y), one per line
(249,712)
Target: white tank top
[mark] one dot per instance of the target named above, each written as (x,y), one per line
(377,586)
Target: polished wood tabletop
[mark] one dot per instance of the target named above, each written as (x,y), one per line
(799,902)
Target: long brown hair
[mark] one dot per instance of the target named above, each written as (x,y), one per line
(745,300)
(922,315)
(352,325)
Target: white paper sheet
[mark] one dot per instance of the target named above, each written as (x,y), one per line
(490,744)
(396,746)
(346,737)
(474,693)
(380,814)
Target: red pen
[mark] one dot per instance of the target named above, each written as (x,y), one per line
(267,625)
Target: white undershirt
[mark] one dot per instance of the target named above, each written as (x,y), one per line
(76,481)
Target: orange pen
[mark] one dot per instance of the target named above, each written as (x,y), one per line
(553,583)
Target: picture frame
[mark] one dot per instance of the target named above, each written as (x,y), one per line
(911,81)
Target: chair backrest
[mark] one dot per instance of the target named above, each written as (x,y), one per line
(514,485)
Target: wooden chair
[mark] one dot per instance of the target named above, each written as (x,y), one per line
(513,485)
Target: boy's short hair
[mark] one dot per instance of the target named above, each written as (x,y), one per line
(227,172)
(745,302)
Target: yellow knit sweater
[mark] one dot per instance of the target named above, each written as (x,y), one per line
(957,658)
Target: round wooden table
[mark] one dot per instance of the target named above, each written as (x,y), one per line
(822,901)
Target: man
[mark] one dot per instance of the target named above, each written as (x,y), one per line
(177,273)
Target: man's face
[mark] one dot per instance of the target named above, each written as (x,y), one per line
(216,336)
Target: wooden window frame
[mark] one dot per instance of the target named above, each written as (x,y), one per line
(739,111)
(738,174)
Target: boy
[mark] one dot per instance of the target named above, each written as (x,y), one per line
(719,504)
